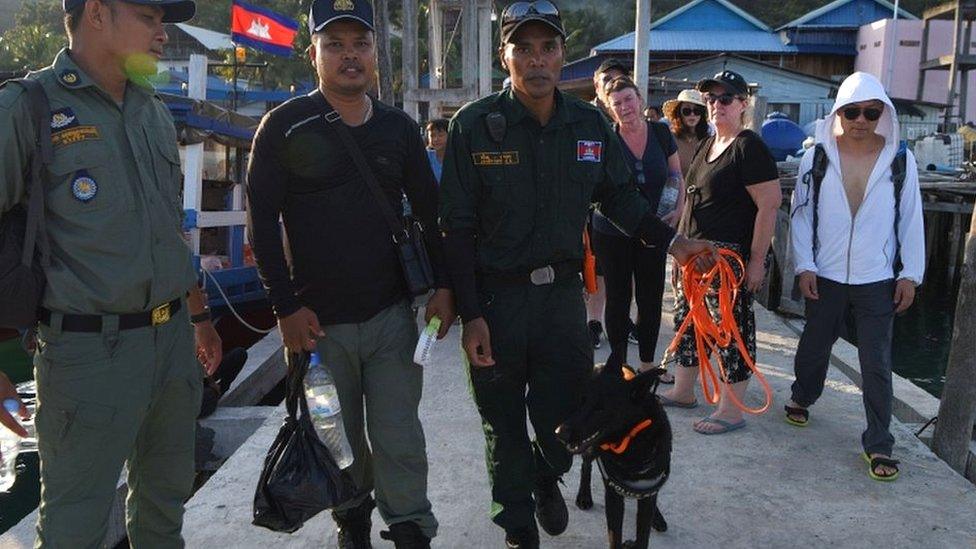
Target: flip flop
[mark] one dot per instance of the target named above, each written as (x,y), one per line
(662,381)
(874,463)
(665,401)
(727,427)
(794,411)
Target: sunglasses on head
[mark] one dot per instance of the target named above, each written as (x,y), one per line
(688,111)
(519,10)
(870,113)
(725,99)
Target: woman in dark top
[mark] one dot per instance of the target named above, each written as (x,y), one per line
(732,197)
(625,260)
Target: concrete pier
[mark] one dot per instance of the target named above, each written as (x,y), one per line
(769,485)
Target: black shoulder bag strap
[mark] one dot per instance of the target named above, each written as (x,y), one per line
(898,169)
(35,235)
(407,234)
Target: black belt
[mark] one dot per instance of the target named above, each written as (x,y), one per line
(93,323)
(538,277)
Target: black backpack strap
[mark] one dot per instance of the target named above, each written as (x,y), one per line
(41,156)
(898,172)
(813,179)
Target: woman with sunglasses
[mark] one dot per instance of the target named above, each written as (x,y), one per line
(627,264)
(689,124)
(733,195)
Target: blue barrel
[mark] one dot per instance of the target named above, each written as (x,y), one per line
(783,136)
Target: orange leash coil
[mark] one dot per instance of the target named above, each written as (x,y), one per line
(710,335)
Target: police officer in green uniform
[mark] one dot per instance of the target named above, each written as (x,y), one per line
(117,370)
(521,170)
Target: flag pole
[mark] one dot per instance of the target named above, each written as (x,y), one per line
(233,101)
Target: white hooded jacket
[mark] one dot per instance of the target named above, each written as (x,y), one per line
(859,250)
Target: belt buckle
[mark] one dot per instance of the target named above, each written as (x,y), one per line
(160,315)
(543,275)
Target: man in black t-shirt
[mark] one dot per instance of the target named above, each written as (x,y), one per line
(345,294)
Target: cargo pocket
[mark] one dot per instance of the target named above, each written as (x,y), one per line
(71,435)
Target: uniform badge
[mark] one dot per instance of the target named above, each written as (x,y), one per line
(84,188)
(74,134)
(589,151)
(490,158)
(63,119)
(343,5)
(69,77)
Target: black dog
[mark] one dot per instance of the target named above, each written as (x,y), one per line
(623,427)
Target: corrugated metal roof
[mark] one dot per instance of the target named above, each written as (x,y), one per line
(212,40)
(718,40)
(849,13)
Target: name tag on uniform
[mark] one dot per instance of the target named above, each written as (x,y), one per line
(589,151)
(509,158)
(75,135)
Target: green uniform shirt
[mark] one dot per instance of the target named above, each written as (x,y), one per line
(526,199)
(113,207)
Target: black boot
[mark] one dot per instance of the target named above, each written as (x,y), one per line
(354,526)
(523,538)
(406,535)
(550,508)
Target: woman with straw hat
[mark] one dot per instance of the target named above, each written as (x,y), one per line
(689,124)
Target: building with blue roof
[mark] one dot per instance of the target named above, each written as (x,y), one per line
(822,43)
(698,29)
(826,38)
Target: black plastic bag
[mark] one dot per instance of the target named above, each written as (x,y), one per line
(300,478)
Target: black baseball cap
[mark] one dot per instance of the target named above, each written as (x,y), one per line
(174,11)
(324,12)
(520,13)
(730,80)
(613,64)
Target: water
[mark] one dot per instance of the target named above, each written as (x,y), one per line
(323,405)
(923,335)
(25,494)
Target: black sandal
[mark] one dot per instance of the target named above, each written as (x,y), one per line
(875,462)
(801,412)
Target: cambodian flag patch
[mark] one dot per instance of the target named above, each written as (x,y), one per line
(589,151)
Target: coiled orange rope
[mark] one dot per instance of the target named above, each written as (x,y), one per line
(710,335)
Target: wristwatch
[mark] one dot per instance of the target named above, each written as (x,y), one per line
(200,317)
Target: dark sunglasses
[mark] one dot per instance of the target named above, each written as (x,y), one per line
(872,114)
(688,111)
(725,99)
(639,173)
(519,10)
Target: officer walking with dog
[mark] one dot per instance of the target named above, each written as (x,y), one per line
(521,170)
(117,379)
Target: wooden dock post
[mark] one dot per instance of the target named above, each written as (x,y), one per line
(957,410)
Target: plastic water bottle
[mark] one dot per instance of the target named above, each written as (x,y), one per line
(326,412)
(425,346)
(9,448)
(669,196)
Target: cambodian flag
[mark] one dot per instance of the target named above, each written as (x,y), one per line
(262,28)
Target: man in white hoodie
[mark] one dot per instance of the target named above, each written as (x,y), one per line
(858,257)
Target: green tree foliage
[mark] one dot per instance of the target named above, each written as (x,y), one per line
(35,39)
